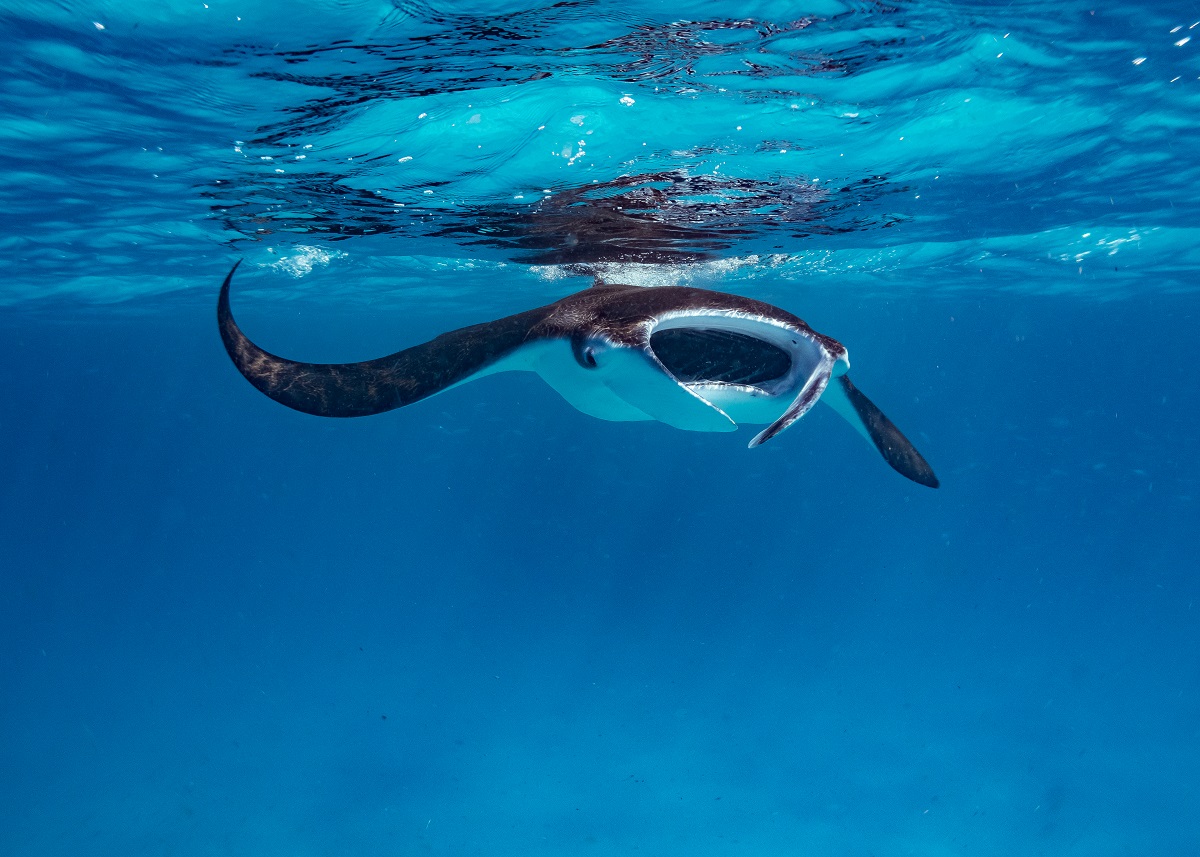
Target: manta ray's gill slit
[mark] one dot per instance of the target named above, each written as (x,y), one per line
(706,354)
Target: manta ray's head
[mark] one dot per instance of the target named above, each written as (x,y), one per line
(757,368)
(701,360)
(752,367)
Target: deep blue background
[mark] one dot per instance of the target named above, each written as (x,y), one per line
(488,624)
(618,633)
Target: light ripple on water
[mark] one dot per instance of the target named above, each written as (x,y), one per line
(1000,146)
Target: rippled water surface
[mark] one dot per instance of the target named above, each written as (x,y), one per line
(488,624)
(979,142)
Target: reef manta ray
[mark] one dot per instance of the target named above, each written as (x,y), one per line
(691,358)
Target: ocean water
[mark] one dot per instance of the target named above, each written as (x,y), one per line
(488,624)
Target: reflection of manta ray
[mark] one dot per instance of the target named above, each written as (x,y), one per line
(691,358)
(665,217)
(652,218)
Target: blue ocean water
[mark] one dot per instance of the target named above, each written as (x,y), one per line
(488,624)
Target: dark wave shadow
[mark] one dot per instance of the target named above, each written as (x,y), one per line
(666,217)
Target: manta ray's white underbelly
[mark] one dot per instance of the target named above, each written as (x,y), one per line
(743,404)
(553,362)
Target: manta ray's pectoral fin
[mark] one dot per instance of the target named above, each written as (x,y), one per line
(872,424)
(375,386)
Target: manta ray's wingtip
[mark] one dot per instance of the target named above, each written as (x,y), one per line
(223,312)
(896,449)
(918,470)
(229,276)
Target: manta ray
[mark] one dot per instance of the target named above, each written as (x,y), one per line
(692,358)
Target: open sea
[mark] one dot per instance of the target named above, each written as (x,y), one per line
(489,625)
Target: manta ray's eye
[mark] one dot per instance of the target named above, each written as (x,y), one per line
(585,350)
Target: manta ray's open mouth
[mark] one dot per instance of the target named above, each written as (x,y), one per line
(719,356)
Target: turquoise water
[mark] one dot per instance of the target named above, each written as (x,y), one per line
(488,624)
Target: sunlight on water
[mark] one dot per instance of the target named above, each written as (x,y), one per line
(856,134)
